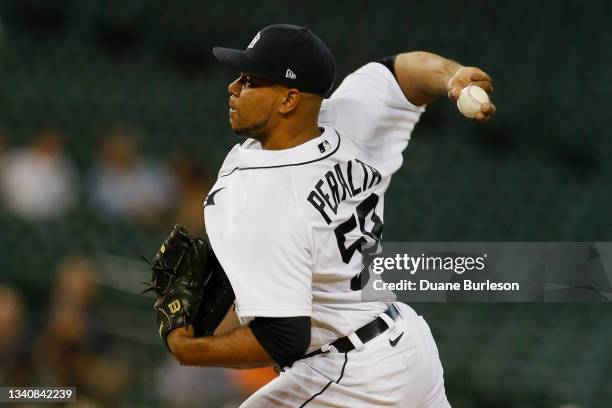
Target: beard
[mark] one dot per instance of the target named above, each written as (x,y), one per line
(256,131)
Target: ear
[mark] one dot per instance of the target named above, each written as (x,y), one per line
(290,101)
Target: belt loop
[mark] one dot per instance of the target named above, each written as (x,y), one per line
(325,347)
(390,322)
(357,343)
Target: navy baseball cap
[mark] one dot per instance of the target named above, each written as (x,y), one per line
(288,55)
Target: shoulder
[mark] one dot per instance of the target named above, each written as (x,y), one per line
(372,84)
(372,75)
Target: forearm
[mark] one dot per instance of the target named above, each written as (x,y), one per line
(424,76)
(236,349)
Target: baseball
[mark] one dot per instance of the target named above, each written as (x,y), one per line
(471,99)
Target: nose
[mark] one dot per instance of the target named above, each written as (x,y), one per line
(234,88)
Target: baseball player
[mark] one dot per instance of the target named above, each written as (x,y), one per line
(292,210)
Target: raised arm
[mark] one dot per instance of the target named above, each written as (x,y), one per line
(424,77)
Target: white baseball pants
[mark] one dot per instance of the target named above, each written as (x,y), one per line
(407,375)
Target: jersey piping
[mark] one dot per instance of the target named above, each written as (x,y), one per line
(286,165)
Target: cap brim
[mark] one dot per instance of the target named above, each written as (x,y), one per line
(237,59)
(230,56)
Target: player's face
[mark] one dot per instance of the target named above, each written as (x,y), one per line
(252,104)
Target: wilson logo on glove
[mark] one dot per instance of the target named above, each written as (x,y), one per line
(189,283)
(174,306)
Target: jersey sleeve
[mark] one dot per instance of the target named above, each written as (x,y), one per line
(370,108)
(268,263)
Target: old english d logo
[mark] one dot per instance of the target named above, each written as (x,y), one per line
(174,306)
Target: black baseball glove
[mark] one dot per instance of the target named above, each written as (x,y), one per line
(191,286)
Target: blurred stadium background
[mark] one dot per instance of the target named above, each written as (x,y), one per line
(113,122)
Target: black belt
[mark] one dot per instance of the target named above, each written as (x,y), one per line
(365,333)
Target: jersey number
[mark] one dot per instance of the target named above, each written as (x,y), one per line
(365,208)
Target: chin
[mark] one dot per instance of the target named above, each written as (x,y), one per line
(256,131)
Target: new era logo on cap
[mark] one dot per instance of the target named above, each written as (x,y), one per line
(290,74)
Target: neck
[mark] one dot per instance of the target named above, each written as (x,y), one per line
(287,135)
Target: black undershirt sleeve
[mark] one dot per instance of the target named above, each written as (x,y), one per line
(284,338)
(389,62)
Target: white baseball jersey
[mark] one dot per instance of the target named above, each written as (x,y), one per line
(288,225)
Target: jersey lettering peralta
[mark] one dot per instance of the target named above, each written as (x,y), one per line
(288,225)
